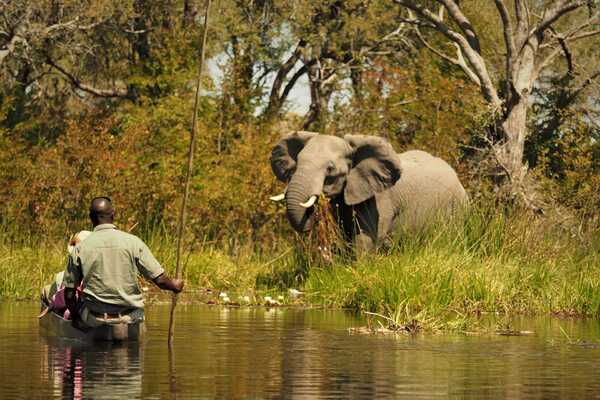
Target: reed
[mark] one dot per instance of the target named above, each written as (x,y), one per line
(443,278)
(448,275)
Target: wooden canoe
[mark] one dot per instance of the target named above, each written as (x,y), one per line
(52,324)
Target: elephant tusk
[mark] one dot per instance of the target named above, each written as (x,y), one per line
(310,202)
(278,197)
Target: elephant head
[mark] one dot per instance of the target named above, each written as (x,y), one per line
(355,167)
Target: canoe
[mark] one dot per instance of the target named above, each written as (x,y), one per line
(52,324)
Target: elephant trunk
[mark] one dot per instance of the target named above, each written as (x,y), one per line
(302,186)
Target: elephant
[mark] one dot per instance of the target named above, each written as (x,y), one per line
(374,191)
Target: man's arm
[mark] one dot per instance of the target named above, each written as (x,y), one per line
(166,283)
(150,268)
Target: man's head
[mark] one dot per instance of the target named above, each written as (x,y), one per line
(101,211)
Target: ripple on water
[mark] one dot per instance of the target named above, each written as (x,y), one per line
(282,353)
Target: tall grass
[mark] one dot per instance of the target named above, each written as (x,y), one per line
(485,263)
(441,278)
(28,263)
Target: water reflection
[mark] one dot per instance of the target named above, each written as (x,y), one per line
(92,371)
(279,353)
(283,353)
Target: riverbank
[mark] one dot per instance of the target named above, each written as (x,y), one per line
(444,279)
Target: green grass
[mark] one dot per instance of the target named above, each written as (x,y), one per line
(442,279)
(448,276)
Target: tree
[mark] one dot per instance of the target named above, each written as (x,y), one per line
(54,54)
(535,35)
(339,40)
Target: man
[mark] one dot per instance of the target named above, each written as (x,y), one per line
(106,264)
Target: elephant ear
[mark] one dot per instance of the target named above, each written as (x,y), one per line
(375,167)
(285,153)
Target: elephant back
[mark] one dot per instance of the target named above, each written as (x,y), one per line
(428,187)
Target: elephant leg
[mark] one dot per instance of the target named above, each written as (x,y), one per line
(363,243)
(345,218)
(386,216)
(367,218)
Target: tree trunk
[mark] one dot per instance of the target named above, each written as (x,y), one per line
(320,93)
(278,96)
(510,152)
(510,155)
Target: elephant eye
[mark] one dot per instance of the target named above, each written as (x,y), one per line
(330,169)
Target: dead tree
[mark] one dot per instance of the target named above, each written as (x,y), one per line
(535,36)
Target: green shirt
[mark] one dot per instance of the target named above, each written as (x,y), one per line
(108,262)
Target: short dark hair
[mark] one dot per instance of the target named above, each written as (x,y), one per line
(101,209)
(102,197)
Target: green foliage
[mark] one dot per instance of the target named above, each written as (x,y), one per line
(564,148)
(415,104)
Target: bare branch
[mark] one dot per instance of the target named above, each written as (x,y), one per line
(435,51)
(458,61)
(522,15)
(577,32)
(266,70)
(567,53)
(583,35)
(329,78)
(87,88)
(405,102)
(462,63)
(563,40)
(508,32)
(69,25)
(392,34)
(465,25)
(593,18)
(49,29)
(134,31)
(292,82)
(560,9)
(547,61)
(417,22)
(441,13)
(587,82)
(509,40)
(275,100)
(477,63)
(565,49)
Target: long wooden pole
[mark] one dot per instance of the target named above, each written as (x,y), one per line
(190,165)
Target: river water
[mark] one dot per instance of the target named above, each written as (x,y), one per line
(258,353)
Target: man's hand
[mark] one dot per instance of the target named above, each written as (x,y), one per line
(166,283)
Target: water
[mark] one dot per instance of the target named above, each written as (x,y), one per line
(284,353)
